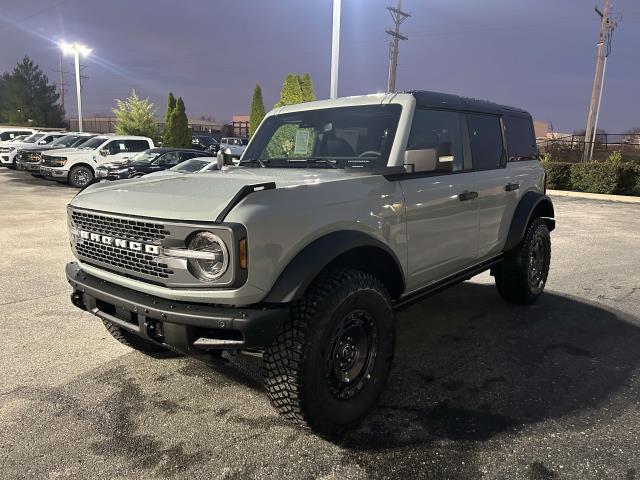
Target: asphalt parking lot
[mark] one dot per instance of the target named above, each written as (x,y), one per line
(480,389)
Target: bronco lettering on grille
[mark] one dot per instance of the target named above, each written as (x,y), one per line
(120,243)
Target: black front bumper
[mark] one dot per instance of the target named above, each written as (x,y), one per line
(190,328)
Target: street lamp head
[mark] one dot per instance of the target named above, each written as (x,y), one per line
(73,48)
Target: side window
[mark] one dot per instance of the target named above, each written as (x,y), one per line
(186,156)
(485,136)
(136,145)
(521,139)
(115,147)
(171,159)
(440,131)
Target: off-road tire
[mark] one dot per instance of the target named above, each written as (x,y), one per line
(73,181)
(522,275)
(299,366)
(133,341)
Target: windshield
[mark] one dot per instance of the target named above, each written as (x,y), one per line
(146,156)
(81,141)
(33,138)
(92,144)
(190,166)
(65,141)
(343,137)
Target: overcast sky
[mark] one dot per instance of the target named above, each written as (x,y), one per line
(535,54)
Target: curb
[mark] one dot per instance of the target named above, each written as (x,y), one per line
(594,196)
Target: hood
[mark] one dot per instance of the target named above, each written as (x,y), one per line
(40,148)
(62,151)
(196,197)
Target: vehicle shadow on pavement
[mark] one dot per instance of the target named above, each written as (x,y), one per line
(470,367)
(25,178)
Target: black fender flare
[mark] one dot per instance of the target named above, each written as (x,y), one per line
(316,256)
(531,203)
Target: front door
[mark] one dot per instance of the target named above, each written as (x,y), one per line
(442,206)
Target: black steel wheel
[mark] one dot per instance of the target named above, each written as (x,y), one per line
(352,355)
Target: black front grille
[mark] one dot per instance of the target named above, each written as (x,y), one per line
(120,227)
(118,257)
(47,160)
(34,157)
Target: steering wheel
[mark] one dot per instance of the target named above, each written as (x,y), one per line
(370,153)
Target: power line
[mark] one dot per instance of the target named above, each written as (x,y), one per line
(41,11)
(398,17)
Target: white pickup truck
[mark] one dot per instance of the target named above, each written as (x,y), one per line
(77,166)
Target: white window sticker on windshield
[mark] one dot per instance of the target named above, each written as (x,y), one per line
(302,142)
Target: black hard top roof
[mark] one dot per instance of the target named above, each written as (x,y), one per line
(429,99)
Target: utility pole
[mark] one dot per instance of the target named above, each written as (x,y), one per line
(61,86)
(589,134)
(612,26)
(398,17)
(335,49)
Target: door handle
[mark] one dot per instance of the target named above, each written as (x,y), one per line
(510,187)
(464,196)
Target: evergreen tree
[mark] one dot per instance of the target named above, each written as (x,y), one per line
(291,92)
(135,117)
(171,105)
(306,85)
(27,98)
(257,110)
(180,133)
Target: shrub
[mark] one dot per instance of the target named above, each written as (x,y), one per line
(558,175)
(612,177)
(595,177)
(629,181)
(615,157)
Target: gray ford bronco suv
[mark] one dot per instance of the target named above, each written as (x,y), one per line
(340,213)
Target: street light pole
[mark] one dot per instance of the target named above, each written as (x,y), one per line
(335,49)
(76,49)
(76,56)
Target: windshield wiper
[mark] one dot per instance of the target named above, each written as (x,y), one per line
(262,163)
(326,161)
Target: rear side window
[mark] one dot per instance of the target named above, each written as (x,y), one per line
(137,145)
(485,136)
(170,159)
(439,131)
(521,140)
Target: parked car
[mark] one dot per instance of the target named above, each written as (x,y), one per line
(363,206)
(9,150)
(195,165)
(205,143)
(29,158)
(148,161)
(19,138)
(9,134)
(77,166)
(237,145)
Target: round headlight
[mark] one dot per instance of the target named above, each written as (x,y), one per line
(214,260)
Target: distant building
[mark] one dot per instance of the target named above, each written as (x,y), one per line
(240,125)
(542,128)
(108,125)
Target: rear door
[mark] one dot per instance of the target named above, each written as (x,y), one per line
(442,206)
(498,191)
